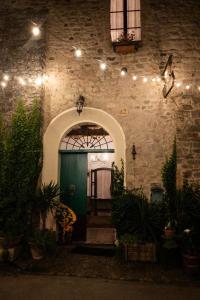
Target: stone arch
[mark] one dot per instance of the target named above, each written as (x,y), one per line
(63,123)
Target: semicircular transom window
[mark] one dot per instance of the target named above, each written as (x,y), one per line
(87,137)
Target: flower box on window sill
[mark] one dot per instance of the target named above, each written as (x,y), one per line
(125,47)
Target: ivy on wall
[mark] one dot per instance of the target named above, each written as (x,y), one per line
(20,166)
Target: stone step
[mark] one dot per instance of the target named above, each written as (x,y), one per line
(100,235)
(97,221)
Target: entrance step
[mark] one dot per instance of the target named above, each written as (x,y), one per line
(99,221)
(100,235)
(97,250)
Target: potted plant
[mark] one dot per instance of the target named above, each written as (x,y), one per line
(42,242)
(45,201)
(138,224)
(170,197)
(126,43)
(191,254)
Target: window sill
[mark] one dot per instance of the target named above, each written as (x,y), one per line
(125,47)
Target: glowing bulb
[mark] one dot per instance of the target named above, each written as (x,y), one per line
(30,80)
(135,77)
(36,30)
(3,84)
(103,66)
(6,77)
(178,84)
(78,53)
(188,87)
(123,72)
(39,81)
(199,88)
(45,77)
(153,79)
(22,81)
(158,79)
(145,79)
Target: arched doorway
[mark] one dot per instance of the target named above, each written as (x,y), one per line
(86,156)
(62,124)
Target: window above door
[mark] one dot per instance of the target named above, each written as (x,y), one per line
(125,20)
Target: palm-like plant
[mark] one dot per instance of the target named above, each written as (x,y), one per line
(45,199)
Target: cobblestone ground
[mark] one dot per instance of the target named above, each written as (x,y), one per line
(90,266)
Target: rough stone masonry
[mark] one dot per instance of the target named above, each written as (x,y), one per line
(149,121)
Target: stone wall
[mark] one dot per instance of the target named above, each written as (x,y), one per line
(149,121)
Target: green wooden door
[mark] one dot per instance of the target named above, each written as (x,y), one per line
(73,181)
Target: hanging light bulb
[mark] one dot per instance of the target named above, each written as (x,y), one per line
(178,84)
(123,72)
(199,88)
(21,81)
(158,79)
(188,87)
(6,77)
(145,79)
(39,81)
(36,30)
(103,66)
(135,77)
(153,79)
(78,53)
(3,84)
(45,77)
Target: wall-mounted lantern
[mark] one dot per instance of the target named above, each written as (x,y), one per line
(80,104)
(133,152)
(168,77)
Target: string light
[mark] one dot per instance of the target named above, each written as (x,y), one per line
(78,53)
(188,87)
(178,84)
(3,84)
(103,66)
(153,79)
(21,81)
(158,79)
(6,77)
(36,30)
(135,77)
(123,71)
(199,88)
(145,79)
(39,81)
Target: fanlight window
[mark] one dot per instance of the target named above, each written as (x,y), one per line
(87,137)
(125,17)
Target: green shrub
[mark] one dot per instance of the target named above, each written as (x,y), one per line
(133,214)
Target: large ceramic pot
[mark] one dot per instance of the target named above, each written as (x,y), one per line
(191,263)
(37,252)
(2,248)
(13,247)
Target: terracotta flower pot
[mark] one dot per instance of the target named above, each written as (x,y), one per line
(36,252)
(191,263)
(169,232)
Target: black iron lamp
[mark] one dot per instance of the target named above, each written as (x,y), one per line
(80,104)
(168,77)
(133,152)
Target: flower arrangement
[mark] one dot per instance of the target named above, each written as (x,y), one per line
(126,37)
(65,217)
